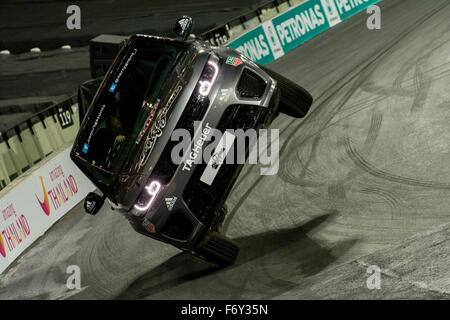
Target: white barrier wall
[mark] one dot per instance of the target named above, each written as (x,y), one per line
(31,207)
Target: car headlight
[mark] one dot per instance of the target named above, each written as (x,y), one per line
(208,76)
(147,196)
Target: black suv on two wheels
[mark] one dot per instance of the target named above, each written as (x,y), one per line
(126,143)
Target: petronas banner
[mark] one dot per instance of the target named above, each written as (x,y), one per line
(288,30)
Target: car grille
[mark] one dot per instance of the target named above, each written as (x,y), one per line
(203,199)
(178,226)
(250,85)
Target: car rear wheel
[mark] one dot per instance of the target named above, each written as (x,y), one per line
(295,100)
(219,249)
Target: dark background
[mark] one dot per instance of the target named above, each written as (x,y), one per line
(26,24)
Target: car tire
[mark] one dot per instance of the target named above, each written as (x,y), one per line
(219,249)
(295,101)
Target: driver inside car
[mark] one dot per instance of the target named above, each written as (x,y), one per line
(108,135)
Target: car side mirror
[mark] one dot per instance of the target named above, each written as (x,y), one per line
(183,27)
(93,203)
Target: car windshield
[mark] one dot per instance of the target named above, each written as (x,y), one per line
(125,108)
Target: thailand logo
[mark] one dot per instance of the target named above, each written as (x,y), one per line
(2,247)
(45,205)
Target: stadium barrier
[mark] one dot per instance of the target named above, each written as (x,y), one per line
(30,141)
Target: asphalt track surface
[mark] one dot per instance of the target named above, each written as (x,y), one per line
(364,179)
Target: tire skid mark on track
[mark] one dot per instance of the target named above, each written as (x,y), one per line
(388,197)
(374,88)
(422,84)
(294,161)
(369,143)
(336,191)
(374,130)
(370,168)
(421,79)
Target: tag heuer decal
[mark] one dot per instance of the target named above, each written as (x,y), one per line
(233,61)
(150,227)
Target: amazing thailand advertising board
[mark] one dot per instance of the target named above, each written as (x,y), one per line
(35,204)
